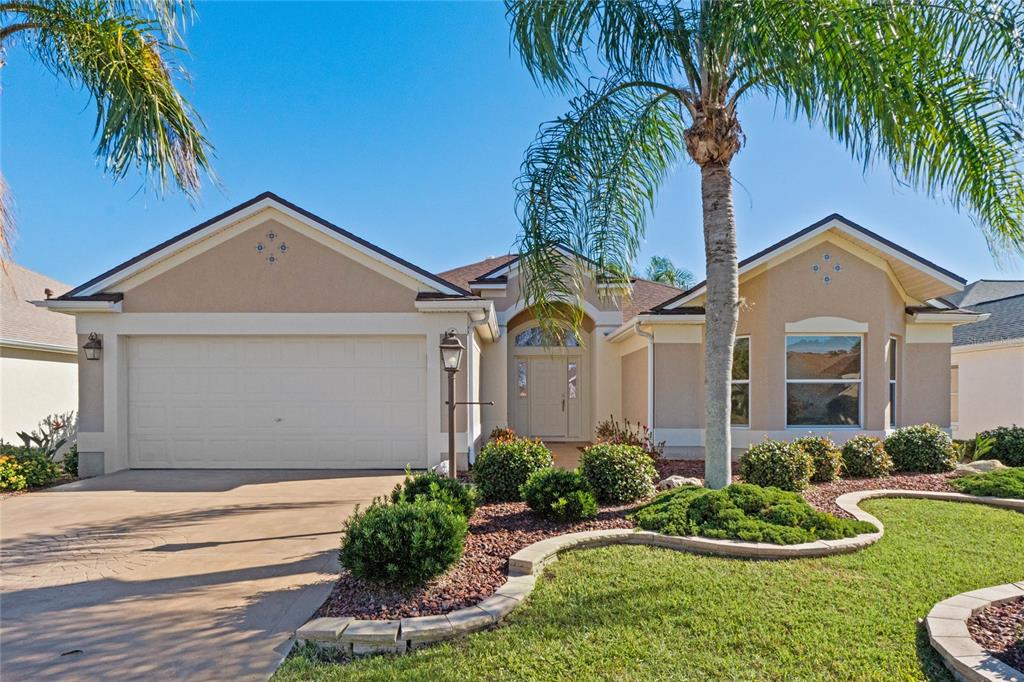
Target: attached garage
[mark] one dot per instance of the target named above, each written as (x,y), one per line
(339,402)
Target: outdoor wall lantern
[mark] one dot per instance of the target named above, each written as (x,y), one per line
(451,359)
(93,347)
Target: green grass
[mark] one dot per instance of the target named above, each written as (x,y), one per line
(998,483)
(643,613)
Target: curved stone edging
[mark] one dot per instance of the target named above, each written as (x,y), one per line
(947,631)
(396,636)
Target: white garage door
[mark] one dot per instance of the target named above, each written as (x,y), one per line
(277,402)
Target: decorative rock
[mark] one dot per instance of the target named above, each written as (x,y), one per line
(678,481)
(442,468)
(982,466)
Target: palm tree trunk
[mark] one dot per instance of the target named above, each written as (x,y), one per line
(721,314)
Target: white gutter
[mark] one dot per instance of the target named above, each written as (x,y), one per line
(47,347)
(621,332)
(949,318)
(71,306)
(481,312)
(650,374)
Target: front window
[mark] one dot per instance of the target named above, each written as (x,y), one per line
(534,337)
(823,380)
(892,383)
(741,382)
(573,379)
(521,378)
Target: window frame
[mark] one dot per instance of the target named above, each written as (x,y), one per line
(893,367)
(568,340)
(860,381)
(954,396)
(733,382)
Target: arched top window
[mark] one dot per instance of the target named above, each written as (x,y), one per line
(534,337)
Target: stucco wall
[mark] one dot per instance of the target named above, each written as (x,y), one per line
(33,385)
(925,390)
(234,277)
(991,391)
(90,391)
(634,386)
(678,385)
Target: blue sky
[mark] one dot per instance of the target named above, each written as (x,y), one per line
(406,124)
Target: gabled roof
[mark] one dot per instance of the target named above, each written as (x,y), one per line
(23,323)
(985,290)
(267,199)
(462,276)
(890,251)
(1005,322)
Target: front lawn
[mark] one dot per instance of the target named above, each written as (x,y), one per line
(642,613)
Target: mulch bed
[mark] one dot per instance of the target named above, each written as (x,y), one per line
(1000,630)
(496,532)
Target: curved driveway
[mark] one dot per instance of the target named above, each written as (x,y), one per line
(169,574)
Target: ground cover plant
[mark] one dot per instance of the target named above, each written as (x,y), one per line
(998,483)
(745,512)
(644,613)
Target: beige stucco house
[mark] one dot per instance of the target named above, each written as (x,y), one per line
(38,370)
(269,337)
(987,384)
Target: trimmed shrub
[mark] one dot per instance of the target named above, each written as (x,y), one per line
(865,457)
(925,448)
(1009,445)
(559,495)
(70,462)
(11,477)
(402,544)
(502,467)
(38,469)
(998,483)
(460,498)
(745,512)
(618,473)
(826,456)
(777,463)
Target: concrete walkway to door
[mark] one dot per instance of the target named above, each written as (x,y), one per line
(169,574)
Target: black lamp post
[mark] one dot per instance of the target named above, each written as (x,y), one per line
(451,359)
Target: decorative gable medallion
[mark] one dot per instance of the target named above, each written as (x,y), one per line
(271,250)
(826,266)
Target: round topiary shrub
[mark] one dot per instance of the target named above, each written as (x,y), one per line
(925,448)
(865,457)
(618,473)
(502,467)
(430,486)
(827,458)
(402,544)
(1009,445)
(559,495)
(774,463)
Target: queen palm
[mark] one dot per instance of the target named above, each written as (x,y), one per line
(933,90)
(120,52)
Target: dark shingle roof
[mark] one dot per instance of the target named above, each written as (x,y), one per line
(1005,323)
(985,290)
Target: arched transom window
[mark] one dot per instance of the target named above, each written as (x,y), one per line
(534,337)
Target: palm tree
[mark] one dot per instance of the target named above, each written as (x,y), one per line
(662,269)
(931,89)
(119,51)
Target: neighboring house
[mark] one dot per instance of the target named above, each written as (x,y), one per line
(38,357)
(268,337)
(987,385)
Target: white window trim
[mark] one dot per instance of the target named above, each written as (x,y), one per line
(750,372)
(953,425)
(893,345)
(859,382)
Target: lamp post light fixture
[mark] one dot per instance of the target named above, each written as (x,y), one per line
(451,358)
(93,347)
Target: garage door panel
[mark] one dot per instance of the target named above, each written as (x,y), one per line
(280,402)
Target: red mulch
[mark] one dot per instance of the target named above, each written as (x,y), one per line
(823,495)
(1000,629)
(496,532)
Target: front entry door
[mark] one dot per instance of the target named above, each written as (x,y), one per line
(549,416)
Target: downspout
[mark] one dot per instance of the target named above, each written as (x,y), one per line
(470,331)
(650,374)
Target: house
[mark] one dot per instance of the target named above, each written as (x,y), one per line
(269,337)
(988,359)
(38,363)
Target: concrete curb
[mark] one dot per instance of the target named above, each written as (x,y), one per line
(947,631)
(357,637)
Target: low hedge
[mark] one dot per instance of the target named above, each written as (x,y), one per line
(826,456)
(745,512)
(925,448)
(1009,445)
(430,486)
(402,544)
(618,474)
(865,457)
(998,483)
(503,466)
(777,463)
(560,495)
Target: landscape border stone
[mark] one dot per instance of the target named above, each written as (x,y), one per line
(360,637)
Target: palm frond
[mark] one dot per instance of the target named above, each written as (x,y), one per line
(585,192)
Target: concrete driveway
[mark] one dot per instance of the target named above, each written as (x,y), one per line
(169,574)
